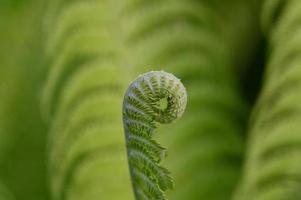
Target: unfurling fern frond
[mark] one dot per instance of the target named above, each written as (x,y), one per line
(88,44)
(199,42)
(154,97)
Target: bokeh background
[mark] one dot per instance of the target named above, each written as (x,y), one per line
(64,67)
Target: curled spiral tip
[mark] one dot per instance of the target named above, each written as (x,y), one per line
(154,97)
(151,89)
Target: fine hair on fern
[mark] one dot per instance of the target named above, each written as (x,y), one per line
(154,97)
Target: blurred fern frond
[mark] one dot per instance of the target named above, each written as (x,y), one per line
(81,101)
(273,165)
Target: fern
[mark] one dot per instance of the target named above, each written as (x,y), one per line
(81,100)
(197,41)
(143,108)
(91,44)
(273,165)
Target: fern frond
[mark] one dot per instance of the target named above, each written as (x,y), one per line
(142,110)
(273,164)
(91,41)
(80,102)
(201,42)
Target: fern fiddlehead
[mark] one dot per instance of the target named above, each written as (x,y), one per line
(143,108)
(195,40)
(86,47)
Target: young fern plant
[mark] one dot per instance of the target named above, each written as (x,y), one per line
(154,97)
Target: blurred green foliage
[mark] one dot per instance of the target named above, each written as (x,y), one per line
(23,135)
(65,65)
